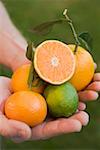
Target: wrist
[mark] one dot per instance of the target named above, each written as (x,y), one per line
(12,43)
(12,51)
(18,59)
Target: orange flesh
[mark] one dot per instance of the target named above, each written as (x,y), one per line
(54,62)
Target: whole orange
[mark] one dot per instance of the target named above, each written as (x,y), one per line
(20,78)
(84,68)
(26,106)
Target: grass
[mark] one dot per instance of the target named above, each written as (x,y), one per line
(85,13)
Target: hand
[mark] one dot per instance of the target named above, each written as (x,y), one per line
(13,51)
(51,128)
(74,123)
(19,131)
(16,130)
(91,91)
(12,54)
(12,43)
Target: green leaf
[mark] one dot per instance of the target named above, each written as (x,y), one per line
(33,78)
(40,83)
(45,27)
(86,40)
(30,77)
(30,51)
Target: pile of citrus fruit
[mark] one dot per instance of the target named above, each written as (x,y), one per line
(56,72)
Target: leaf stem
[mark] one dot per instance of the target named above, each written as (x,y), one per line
(70,22)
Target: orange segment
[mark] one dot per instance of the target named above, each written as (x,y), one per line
(54,62)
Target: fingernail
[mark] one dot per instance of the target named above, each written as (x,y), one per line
(86,120)
(17,139)
(96,95)
(77,111)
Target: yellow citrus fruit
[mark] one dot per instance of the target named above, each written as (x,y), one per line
(26,106)
(84,68)
(20,78)
(54,62)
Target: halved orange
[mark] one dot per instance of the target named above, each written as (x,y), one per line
(54,62)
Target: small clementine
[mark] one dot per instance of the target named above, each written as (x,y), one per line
(84,68)
(20,78)
(26,106)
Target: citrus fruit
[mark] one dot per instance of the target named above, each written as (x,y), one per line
(84,68)
(54,62)
(20,78)
(26,106)
(62,99)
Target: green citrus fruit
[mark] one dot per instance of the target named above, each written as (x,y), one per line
(62,100)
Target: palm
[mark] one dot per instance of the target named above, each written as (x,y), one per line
(74,123)
(51,128)
(19,131)
(11,128)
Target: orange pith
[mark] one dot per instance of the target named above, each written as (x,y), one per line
(26,106)
(20,78)
(84,68)
(54,62)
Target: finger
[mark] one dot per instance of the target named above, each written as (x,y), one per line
(22,131)
(95,66)
(95,86)
(15,130)
(5,83)
(3,96)
(81,116)
(88,95)
(81,106)
(5,91)
(96,77)
(54,128)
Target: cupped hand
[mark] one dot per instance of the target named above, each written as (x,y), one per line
(16,130)
(51,128)
(74,123)
(19,131)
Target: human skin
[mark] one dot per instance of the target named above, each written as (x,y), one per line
(12,54)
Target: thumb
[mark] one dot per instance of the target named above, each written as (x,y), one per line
(16,130)
(5,91)
(20,131)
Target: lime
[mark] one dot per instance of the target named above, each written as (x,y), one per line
(62,100)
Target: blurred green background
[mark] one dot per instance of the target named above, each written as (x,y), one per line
(86,16)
